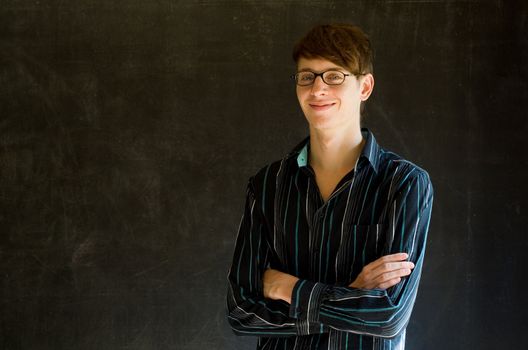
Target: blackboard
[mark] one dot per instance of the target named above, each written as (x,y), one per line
(129,130)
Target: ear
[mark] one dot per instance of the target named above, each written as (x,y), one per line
(367,85)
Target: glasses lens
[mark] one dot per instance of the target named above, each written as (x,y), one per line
(333,77)
(304,78)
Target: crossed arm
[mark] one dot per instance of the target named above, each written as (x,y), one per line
(378,302)
(382,273)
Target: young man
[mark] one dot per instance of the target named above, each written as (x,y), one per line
(331,244)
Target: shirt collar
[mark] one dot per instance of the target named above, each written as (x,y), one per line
(371,150)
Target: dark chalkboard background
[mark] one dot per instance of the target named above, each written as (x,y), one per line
(128,131)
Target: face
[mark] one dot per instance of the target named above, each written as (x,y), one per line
(332,106)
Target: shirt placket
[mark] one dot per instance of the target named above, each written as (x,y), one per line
(317,267)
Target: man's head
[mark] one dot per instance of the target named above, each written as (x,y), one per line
(334,75)
(345,45)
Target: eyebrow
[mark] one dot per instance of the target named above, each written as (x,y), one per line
(311,70)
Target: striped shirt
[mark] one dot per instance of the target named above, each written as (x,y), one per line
(383,206)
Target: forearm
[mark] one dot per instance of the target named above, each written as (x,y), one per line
(365,311)
(378,312)
(253,314)
(249,311)
(278,285)
(261,316)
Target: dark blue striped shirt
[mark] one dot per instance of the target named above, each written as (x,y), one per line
(383,206)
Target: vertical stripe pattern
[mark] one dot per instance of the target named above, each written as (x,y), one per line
(383,206)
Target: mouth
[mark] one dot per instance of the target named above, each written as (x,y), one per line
(321,106)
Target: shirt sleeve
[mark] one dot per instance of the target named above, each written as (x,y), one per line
(377,312)
(249,313)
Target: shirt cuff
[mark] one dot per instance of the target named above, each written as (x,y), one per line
(306,328)
(306,300)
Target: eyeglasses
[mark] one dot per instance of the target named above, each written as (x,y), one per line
(330,77)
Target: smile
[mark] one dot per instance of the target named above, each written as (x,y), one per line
(321,106)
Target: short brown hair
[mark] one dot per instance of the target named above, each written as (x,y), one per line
(343,44)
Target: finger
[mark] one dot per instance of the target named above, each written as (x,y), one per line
(394,257)
(389,283)
(392,266)
(373,275)
(388,259)
(393,275)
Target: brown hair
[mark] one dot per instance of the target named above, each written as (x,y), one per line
(343,44)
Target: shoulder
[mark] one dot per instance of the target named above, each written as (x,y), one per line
(264,179)
(262,186)
(402,173)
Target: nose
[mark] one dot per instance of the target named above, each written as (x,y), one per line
(319,87)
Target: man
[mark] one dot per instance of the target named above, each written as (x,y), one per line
(331,244)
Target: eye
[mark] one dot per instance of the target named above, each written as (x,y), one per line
(306,77)
(333,76)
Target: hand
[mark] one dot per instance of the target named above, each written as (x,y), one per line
(278,285)
(384,272)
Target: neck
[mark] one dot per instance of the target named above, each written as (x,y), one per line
(335,150)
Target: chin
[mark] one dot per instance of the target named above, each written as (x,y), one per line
(322,125)
(320,121)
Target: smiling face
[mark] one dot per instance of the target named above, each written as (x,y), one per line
(332,106)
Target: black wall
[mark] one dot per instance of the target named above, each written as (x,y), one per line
(128,131)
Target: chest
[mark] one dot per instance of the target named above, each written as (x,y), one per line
(327,183)
(329,240)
